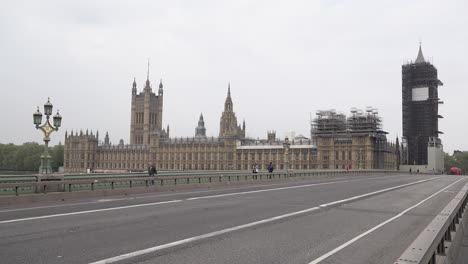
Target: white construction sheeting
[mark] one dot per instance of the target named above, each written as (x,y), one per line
(420,94)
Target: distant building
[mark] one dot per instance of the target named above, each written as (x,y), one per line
(357,141)
(420,108)
(150,143)
(200,130)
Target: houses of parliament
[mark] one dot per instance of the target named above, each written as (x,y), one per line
(336,142)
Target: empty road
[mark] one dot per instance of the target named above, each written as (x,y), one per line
(358,219)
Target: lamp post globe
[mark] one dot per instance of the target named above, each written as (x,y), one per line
(57,120)
(37,117)
(48,107)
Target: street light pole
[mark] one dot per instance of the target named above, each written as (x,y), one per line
(47,129)
(286,145)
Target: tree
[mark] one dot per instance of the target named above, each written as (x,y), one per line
(458,159)
(26,157)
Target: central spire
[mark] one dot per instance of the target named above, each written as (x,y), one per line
(147,86)
(420,58)
(147,74)
(228,103)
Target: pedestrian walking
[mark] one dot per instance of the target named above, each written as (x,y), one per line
(255,170)
(270,168)
(152,172)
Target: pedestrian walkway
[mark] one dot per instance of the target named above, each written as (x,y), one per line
(463,252)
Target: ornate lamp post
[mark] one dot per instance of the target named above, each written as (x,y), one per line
(47,129)
(286,145)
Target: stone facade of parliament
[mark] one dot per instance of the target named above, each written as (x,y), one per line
(336,142)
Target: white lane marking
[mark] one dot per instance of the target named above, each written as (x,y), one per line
(153,196)
(372,193)
(86,212)
(277,189)
(157,203)
(178,193)
(349,242)
(231,229)
(196,238)
(266,190)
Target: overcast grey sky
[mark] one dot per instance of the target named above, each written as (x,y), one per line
(284,60)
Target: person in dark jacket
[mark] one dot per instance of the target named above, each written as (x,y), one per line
(270,167)
(152,172)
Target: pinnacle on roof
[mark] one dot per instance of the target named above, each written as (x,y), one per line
(147,74)
(420,58)
(147,86)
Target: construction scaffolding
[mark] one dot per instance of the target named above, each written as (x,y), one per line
(329,122)
(350,133)
(420,109)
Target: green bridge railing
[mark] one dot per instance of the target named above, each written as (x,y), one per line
(28,184)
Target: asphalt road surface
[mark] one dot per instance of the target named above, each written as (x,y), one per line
(358,219)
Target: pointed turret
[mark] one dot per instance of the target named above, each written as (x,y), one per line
(134,86)
(420,58)
(200,130)
(148,84)
(160,91)
(228,124)
(167,130)
(106,139)
(228,102)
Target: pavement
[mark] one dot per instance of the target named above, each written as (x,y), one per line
(463,251)
(332,220)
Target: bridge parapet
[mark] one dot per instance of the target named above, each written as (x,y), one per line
(129,181)
(441,239)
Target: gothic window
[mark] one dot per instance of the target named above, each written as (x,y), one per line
(325,155)
(325,141)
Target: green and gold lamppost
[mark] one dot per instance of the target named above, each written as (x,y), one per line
(47,129)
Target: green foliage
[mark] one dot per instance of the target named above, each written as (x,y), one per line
(26,157)
(458,159)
